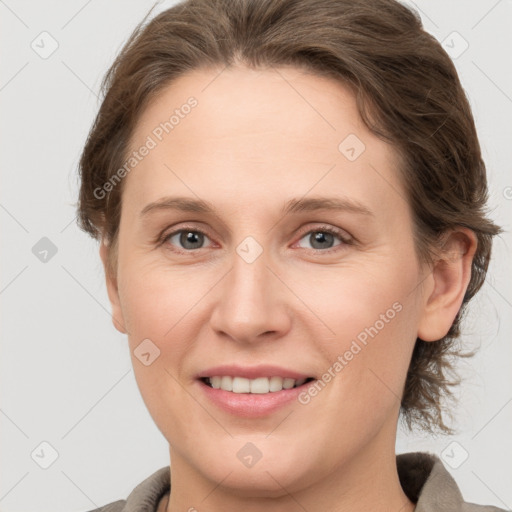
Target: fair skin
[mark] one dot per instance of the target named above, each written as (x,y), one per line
(256,140)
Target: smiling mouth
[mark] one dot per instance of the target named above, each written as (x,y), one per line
(260,385)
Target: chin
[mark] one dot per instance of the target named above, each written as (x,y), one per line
(267,481)
(252,466)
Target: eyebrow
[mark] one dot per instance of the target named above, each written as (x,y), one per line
(310,204)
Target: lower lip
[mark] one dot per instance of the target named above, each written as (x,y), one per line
(252,405)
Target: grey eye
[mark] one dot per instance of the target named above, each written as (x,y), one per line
(187,239)
(320,239)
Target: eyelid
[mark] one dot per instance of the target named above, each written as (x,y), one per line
(343,236)
(165,235)
(341,233)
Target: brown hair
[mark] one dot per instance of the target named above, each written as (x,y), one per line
(408,93)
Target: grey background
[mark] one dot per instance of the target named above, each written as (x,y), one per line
(66,372)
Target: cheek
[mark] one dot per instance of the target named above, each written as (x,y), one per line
(156,311)
(368,308)
(371,314)
(359,299)
(157,299)
(154,306)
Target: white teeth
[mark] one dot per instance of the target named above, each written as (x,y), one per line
(260,385)
(288,383)
(240,385)
(226,383)
(276,383)
(215,382)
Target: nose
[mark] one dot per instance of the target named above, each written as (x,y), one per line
(251,306)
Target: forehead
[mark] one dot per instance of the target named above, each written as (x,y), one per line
(252,133)
(253,102)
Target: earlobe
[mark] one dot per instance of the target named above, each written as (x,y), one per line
(112,288)
(450,276)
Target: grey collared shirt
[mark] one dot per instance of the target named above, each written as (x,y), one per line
(424,479)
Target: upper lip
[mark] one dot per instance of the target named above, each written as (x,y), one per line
(252,372)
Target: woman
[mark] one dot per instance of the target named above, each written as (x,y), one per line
(290,199)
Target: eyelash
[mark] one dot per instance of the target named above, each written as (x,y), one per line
(320,229)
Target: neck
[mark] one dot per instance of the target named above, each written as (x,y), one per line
(369,481)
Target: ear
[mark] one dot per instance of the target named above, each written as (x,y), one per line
(112,289)
(448,284)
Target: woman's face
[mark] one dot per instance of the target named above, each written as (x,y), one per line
(303,268)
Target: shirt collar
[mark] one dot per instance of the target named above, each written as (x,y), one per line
(424,479)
